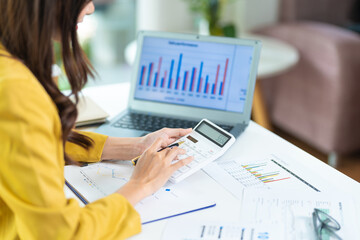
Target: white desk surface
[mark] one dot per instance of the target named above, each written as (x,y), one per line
(113,99)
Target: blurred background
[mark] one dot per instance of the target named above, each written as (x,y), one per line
(106,34)
(314,103)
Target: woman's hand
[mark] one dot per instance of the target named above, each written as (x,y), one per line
(128,148)
(168,134)
(153,169)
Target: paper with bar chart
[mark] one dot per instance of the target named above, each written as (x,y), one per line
(200,74)
(102,179)
(270,173)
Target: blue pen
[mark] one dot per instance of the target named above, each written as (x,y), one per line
(81,197)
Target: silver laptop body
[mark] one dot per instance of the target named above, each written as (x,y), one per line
(184,78)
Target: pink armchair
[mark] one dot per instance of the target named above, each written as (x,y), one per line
(318,101)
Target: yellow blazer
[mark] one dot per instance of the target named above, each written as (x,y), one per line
(32,200)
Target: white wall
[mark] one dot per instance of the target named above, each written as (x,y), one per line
(164,15)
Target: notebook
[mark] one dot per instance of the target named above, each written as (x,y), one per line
(179,79)
(89,112)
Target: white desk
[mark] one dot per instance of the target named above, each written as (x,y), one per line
(113,98)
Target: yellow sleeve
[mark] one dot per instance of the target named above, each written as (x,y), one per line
(80,154)
(32,176)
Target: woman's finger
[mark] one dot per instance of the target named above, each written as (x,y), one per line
(177,132)
(159,142)
(181,163)
(173,153)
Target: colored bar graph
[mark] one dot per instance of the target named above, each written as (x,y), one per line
(143,70)
(207,84)
(150,73)
(200,79)
(185,80)
(223,82)
(216,79)
(200,85)
(193,79)
(156,77)
(189,75)
(163,83)
(178,72)
(158,72)
(170,75)
(257,171)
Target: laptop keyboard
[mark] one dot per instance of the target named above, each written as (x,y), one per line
(151,123)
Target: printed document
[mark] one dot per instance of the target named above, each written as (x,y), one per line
(267,173)
(197,230)
(98,180)
(292,212)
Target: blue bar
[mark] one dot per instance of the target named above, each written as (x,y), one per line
(171,70)
(185,75)
(148,79)
(198,86)
(213,88)
(162,82)
(178,71)
(220,88)
(192,78)
(206,82)
(155,79)
(142,74)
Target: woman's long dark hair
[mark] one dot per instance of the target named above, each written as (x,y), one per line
(27,28)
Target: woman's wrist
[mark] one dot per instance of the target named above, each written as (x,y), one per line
(133,192)
(122,148)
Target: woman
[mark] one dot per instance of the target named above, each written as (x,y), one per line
(36,136)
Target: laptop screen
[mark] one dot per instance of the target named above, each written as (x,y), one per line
(194,73)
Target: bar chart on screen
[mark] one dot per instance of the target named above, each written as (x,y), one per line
(191,76)
(201,74)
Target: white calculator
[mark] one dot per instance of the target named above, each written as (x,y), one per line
(206,143)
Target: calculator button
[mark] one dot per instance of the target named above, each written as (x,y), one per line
(184,169)
(176,174)
(192,164)
(181,157)
(200,159)
(190,153)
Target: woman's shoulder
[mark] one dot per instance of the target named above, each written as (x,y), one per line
(19,88)
(12,68)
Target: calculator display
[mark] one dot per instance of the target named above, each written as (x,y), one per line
(213,134)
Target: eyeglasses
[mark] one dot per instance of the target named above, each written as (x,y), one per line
(325,225)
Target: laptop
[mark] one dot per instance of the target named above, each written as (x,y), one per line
(179,79)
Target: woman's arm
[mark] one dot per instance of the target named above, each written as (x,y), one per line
(128,148)
(121,148)
(32,196)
